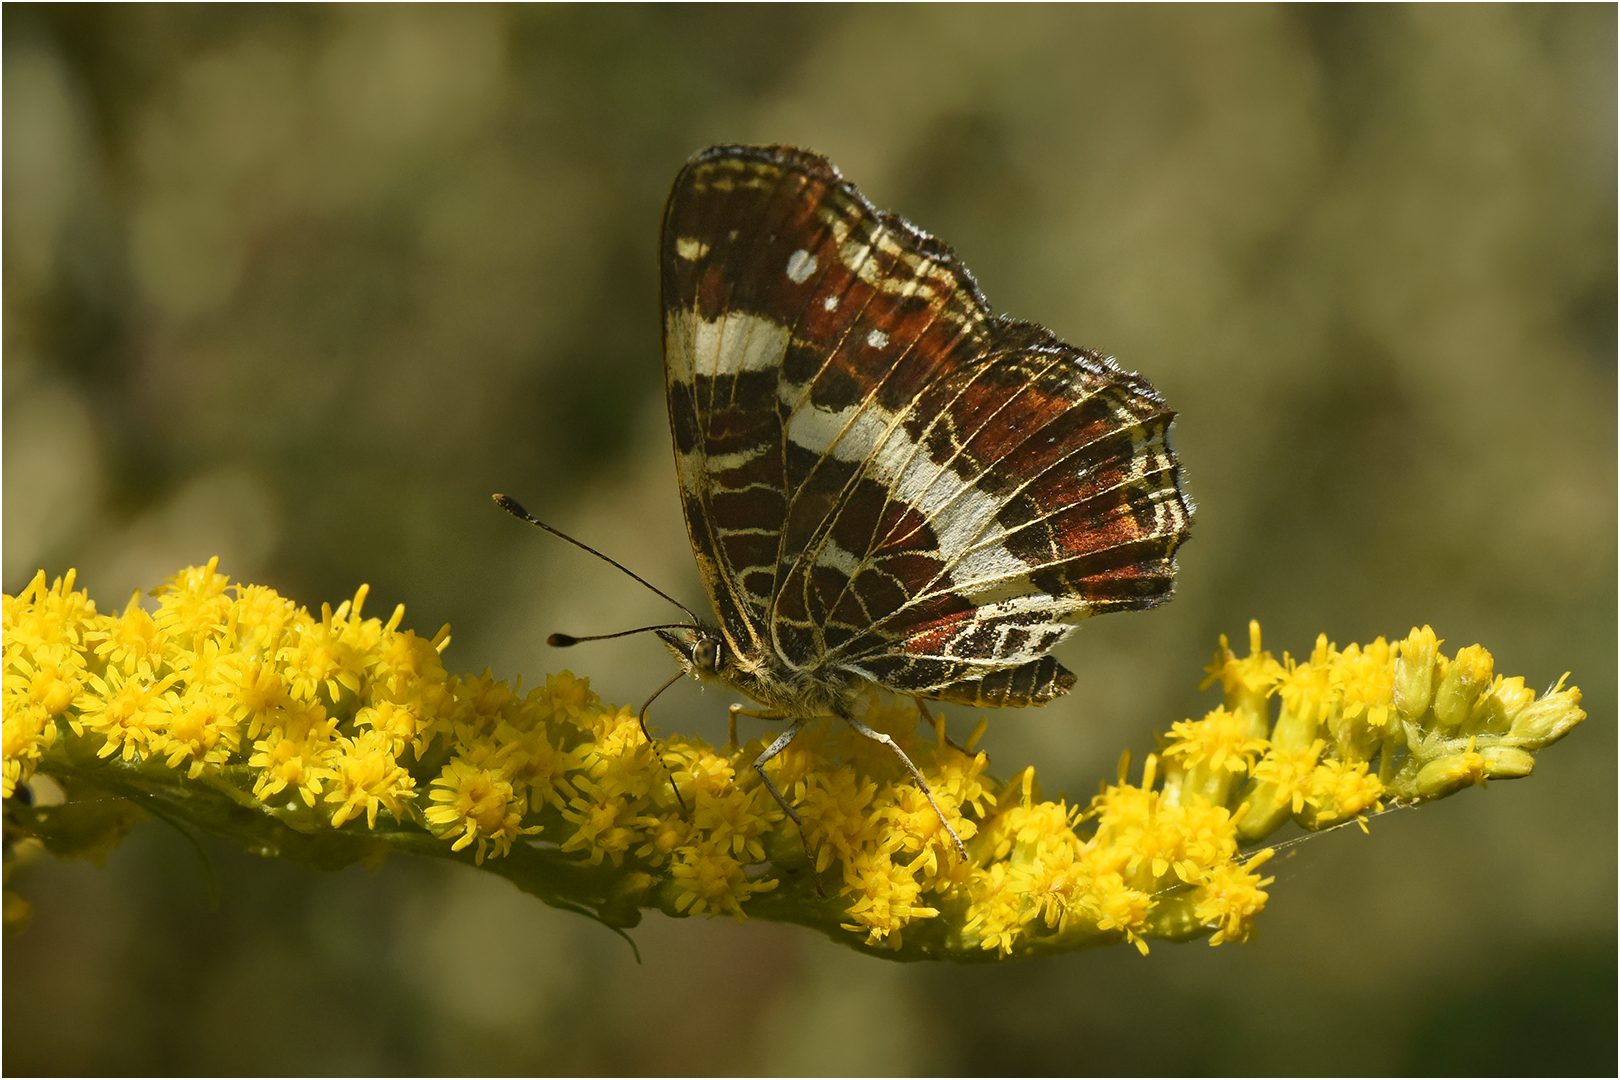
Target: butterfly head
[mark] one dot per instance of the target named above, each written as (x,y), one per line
(700,649)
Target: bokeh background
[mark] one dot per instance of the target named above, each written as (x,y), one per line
(301,286)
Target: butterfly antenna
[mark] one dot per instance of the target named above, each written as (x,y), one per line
(511,506)
(562,641)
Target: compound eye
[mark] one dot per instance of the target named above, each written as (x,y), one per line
(706,654)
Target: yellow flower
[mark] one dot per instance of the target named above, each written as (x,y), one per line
(1116,906)
(1496,709)
(570,698)
(1414,673)
(834,808)
(1365,680)
(28,732)
(368,778)
(201,730)
(887,898)
(260,620)
(396,725)
(531,761)
(910,825)
(607,824)
(53,614)
(1340,790)
(1280,785)
(321,655)
(1461,685)
(296,753)
(736,820)
(193,603)
(406,664)
(618,757)
(1307,696)
(1209,755)
(260,693)
(1231,898)
(479,703)
(235,701)
(708,881)
(699,770)
(664,838)
(38,687)
(133,644)
(125,707)
(1247,682)
(49,679)
(475,804)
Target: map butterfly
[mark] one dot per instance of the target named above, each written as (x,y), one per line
(886,484)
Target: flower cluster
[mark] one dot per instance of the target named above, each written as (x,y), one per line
(263,722)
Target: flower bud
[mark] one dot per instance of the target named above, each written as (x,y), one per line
(1414,673)
(1494,711)
(1507,762)
(1465,678)
(1546,721)
(1449,774)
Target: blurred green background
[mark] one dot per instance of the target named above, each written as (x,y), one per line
(302,286)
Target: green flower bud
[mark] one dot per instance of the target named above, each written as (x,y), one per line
(1448,774)
(1546,721)
(1507,762)
(1465,678)
(1414,673)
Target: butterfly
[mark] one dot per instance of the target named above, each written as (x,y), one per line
(885,484)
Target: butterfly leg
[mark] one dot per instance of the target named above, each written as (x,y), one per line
(771,751)
(878,736)
(736,709)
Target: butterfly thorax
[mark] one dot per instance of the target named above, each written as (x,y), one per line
(708,656)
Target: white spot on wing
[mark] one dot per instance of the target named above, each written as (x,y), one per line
(830,554)
(734,343)
(853,254)
(718,463)
(830,303)
(877,339)
(800,265)
(691,248)
(847,435)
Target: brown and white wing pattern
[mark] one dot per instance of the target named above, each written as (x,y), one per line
(881,479)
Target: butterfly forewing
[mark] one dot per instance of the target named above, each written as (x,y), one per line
(882,480)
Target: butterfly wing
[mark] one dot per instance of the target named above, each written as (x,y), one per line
(1040,483)
(763,335)
(879,477)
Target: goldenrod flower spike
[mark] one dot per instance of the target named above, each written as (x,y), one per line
(340,738)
